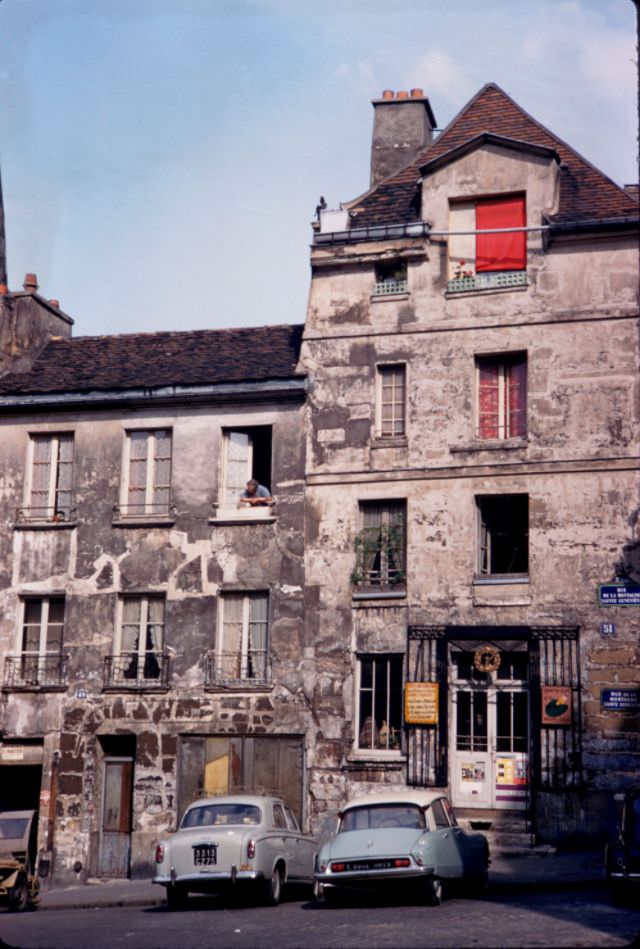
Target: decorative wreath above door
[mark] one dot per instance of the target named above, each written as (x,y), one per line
(486,658)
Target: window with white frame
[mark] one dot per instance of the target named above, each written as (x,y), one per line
(380,546)
(502,395)
(247,454)
(139,654)
(503,535)
(242,641)
(40,660)
(390,402)
(379,705)
(146,489)
(49,473)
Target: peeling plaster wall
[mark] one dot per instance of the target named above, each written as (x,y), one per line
(190,561)
(577,321)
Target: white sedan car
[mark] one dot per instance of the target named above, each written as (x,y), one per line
(224,842)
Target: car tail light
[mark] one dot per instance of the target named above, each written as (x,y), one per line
(159,853)
(402,862)
(338,867)
(251,849)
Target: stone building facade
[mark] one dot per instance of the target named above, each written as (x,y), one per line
(472,471)
(432,598)
(151,623)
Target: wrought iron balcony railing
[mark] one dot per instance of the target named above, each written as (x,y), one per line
(164,510)
(134,670)
(45,515)
(238,670)
(32,670)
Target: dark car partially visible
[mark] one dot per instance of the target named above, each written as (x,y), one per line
(622,859)
(19,883)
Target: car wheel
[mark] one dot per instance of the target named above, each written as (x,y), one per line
(176,897)
(433,891)
(19,895)
(333,896)
(273,888)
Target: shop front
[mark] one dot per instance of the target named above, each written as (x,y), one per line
(505,723)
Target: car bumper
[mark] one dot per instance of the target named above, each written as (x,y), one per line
(209,880)
(366,877)
(627,877)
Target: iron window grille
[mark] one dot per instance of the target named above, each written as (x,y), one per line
(33,670)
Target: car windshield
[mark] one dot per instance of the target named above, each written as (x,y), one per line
(382,815)
(217,815)
(13,828)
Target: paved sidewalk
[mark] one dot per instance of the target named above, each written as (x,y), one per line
(537,870)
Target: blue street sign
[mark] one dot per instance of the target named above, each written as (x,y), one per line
(619,594)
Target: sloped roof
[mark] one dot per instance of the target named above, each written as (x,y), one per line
(585,193)
(159,360)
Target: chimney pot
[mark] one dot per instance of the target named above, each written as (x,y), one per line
(387,94)
(55,303)
(403,94)
(417,94)
(30,283)
(3,289)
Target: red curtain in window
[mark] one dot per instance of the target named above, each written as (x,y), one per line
(516,422)
(501,251)
(504,417)
(489,399)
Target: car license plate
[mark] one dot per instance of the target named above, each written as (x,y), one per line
(370,865)
(205,855)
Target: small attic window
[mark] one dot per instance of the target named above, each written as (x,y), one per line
(497,258)
(391,277)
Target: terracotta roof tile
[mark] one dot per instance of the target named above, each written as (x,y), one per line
(585,192)
(150,360)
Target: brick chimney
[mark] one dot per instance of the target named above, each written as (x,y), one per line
(403,125)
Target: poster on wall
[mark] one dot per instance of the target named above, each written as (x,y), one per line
(512,771)
(556,705)
(421,703)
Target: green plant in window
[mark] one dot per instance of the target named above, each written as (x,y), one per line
(379,556)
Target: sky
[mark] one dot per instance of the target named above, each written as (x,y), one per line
(162,160)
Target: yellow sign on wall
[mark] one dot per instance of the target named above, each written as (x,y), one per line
(421,703)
